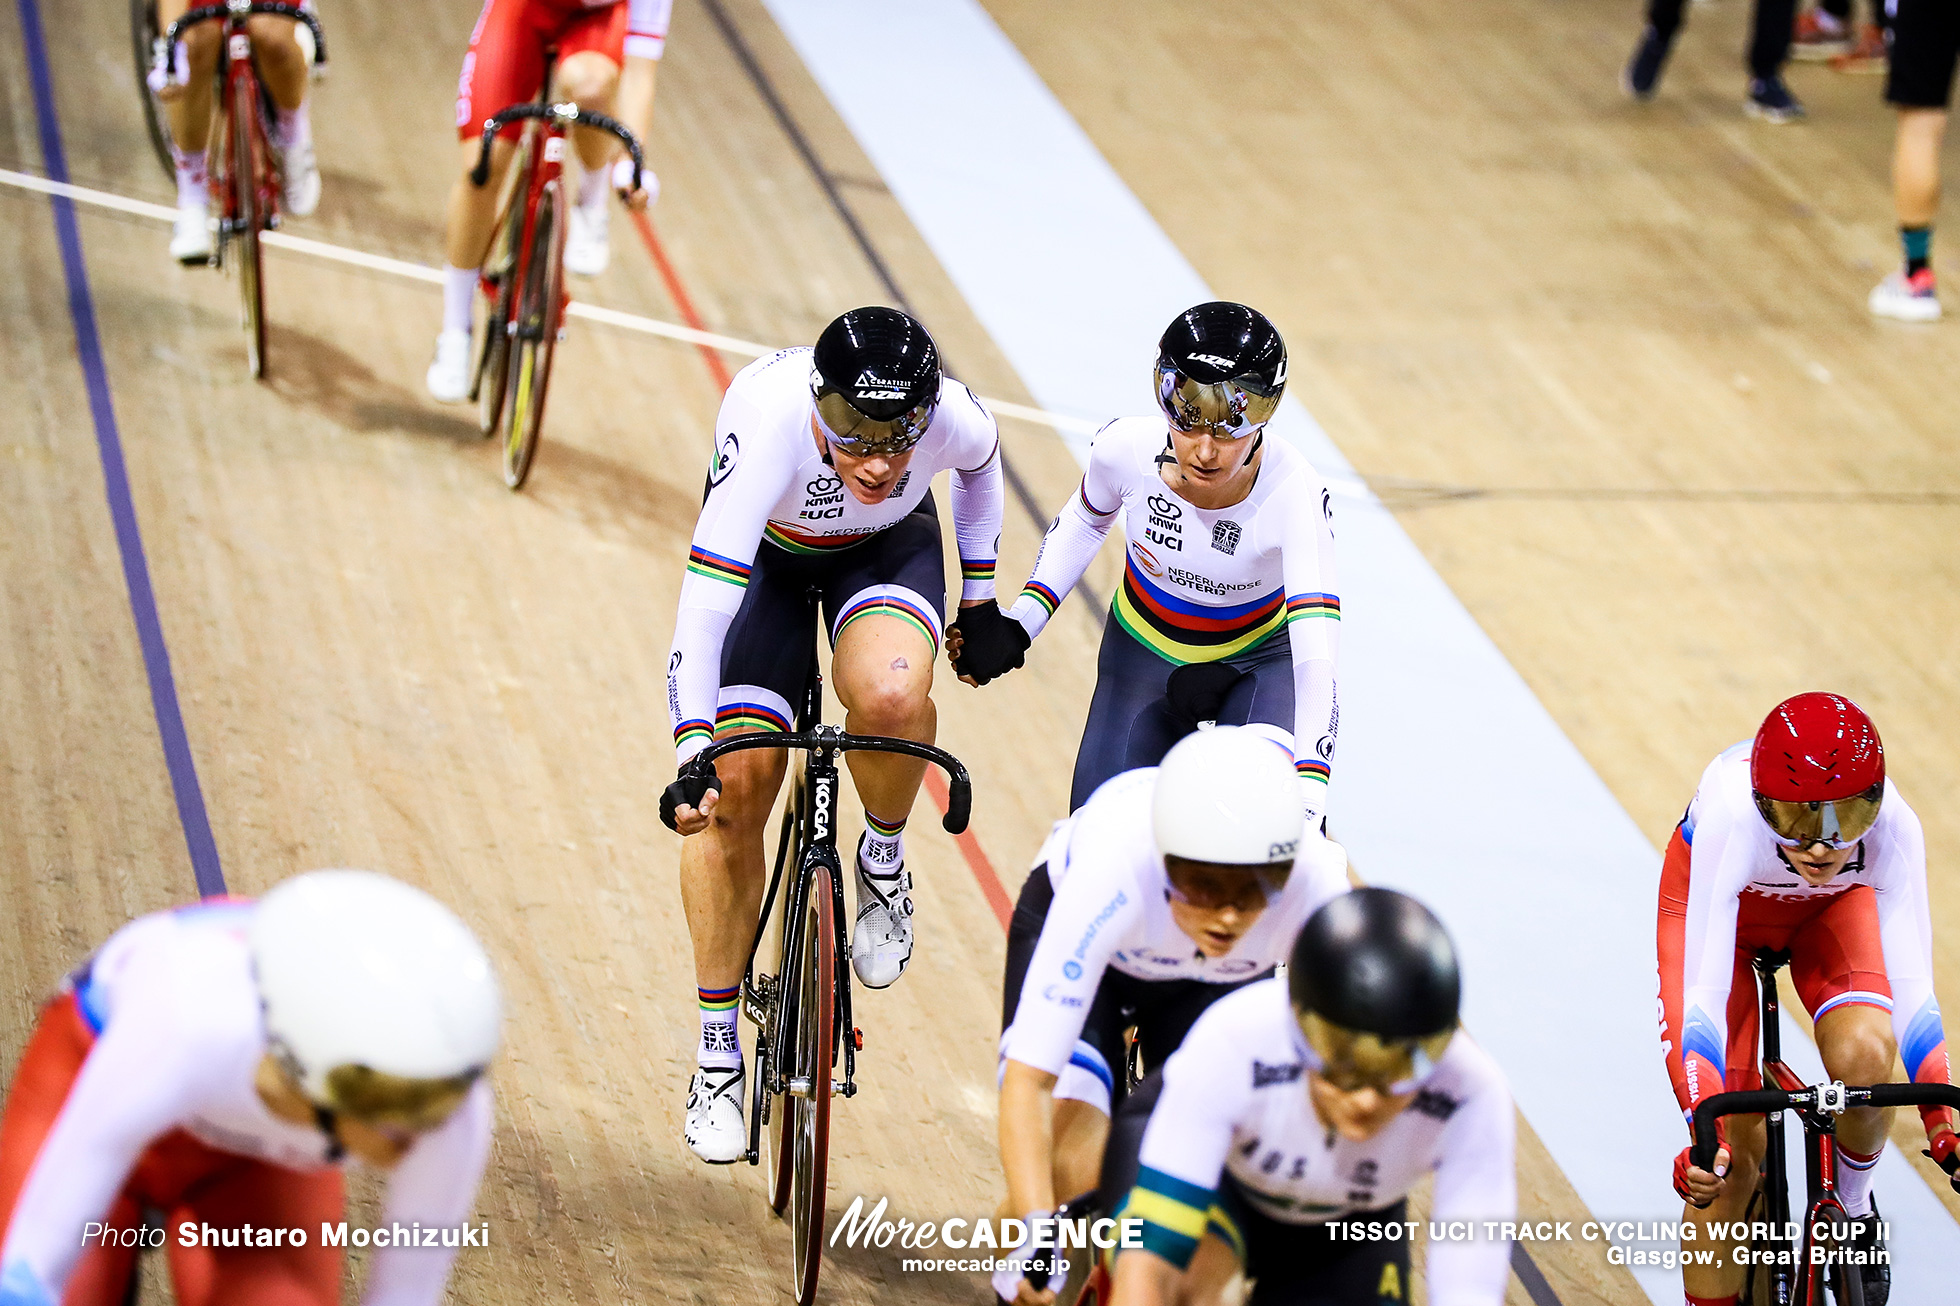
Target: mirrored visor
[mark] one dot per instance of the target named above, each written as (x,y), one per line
(375,1097)
(1836,824)
(1351,1060)
(864,437)
(1232,409)
(1213,886)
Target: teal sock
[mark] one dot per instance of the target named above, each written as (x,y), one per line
(1918,242)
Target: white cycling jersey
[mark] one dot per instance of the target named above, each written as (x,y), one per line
(1235,1101)
(1205,584)
(1112,910)
(180,1039)
(770,480)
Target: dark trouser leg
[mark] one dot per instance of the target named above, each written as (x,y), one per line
(1770,45)
(1121,1154)
(1664,16)
(1023,932)
(1128,724)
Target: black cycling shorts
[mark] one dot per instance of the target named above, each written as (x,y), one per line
(1288,1264)
(1131,724)
(1161,1011)
(765,659)
(1925,49)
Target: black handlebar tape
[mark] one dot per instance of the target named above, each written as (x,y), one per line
(1915,1095)
(1710,1109)
(959,804)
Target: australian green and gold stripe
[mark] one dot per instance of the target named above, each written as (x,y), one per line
(1174,1214)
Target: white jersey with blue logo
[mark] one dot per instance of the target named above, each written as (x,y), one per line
(1112,911)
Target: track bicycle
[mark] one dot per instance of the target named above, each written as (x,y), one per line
(1781,1272)
(802,1012)
(245,176)
(524,277)
(147,39)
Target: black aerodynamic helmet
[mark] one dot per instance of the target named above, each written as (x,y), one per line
(1375,987)
(875,381)
(1221,365)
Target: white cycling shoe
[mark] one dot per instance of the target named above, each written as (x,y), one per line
(299,174)
(190,235)
(715,1130)
(588,239)
(881,941)
(448,377)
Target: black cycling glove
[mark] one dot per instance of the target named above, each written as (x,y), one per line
(992,643)
(692,786)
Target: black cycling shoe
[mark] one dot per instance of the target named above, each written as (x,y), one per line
(1876,1271)
(1643,71)
(1770,100)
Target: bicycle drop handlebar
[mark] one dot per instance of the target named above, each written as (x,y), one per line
(567,113)
(276,8)
(959,800)
(1764,1100)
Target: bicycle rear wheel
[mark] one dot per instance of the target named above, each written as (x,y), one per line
(1847,1286)
(541,309)
(245,221)
(805,1125)
(143,36)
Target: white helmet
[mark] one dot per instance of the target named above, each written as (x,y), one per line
(1228,794)
(378,1000)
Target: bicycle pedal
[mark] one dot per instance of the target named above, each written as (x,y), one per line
(857,1039)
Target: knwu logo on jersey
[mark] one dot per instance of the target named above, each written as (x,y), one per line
(823,498)
(1163,527)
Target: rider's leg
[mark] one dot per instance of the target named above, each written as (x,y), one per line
(723,870)
(1856,1042)
(189,105)
(883,672)
(282,68)
(1127,718)
(590,80)
(1724,1280)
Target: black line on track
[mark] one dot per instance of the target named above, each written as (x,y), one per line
(792,129)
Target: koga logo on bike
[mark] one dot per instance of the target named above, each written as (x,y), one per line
(1163,526)
(821,811)
(1265,1076)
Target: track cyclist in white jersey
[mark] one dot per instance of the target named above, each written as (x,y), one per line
(1324,1097)
(186,91)
(1171,887)
(1228,608)
(821,478)
(219,1063)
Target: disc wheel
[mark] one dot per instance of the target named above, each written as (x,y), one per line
(804,1129)
(540,311)
(246,219)
(143,38)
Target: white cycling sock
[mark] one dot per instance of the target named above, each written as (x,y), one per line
(294,126)
(458,297)
(883,847)
(1854,1182)
(193,179)
(592,187)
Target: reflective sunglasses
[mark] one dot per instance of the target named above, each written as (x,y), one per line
(1210,886)
(1351,1060)
(864,437)
(1838,824)
(1232,409)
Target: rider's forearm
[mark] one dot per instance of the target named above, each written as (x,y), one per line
(1066,552)
(1027,1137)
(694,666)
(1315,721)
(979,501)
(636,83)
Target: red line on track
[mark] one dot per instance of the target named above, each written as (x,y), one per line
(976,856)
(716,367)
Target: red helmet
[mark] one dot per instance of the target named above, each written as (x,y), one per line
(1818,770)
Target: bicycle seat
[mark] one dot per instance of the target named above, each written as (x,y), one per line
(1196,691)
(1773,958)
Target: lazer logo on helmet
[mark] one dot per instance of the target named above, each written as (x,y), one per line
(1217,362)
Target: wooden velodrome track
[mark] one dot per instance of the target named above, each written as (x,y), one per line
(1610,364)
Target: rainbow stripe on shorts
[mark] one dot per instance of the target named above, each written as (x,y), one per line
(891,605)
(791,540)
(750,717)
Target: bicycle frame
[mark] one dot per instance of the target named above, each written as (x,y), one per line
(1818,1106)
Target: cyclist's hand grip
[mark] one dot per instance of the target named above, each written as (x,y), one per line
(959,804)
(693,785)
(480,174)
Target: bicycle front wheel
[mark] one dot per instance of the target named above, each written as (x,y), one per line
(245,221)
(143,36)
(805,1126)
(541,312)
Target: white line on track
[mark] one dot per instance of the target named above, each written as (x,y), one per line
(612,317)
